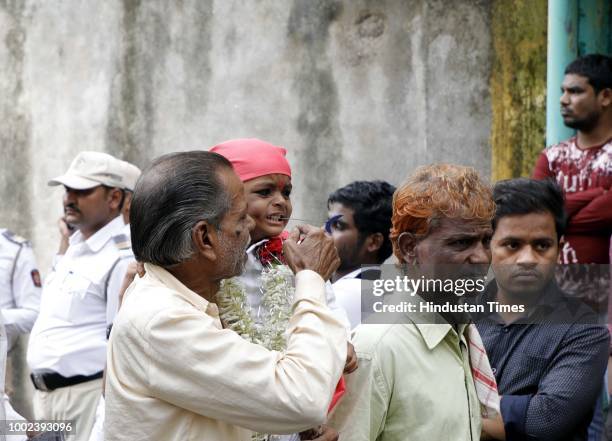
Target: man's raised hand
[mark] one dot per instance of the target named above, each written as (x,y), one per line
(308,247)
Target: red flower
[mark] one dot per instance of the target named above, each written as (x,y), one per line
(271,252)
(275,246)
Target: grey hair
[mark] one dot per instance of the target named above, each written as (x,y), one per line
(174,193)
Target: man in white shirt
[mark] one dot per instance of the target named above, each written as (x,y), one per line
(359,217)
(20,285)
(173,372)
(67,348)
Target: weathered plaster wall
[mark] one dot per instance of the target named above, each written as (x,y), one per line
(518,86)
(15,121)
(354,89)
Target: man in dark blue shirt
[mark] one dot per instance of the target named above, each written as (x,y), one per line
(548,354)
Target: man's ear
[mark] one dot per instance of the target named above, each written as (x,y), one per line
(605,97)
(205,240)
(114,198)
(407,243)
(374,242)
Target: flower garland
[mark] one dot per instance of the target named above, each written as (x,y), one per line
(234,310)
(277,299)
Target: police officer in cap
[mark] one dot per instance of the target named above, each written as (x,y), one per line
(67,350)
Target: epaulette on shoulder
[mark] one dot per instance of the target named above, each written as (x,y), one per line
(122,242)
(12,237)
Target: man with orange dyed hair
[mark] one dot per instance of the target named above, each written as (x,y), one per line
(424,376)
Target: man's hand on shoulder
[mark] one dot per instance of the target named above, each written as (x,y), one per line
(308,247)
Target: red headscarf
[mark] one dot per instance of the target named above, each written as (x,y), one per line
(252,158)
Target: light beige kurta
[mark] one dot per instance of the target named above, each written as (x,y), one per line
(174,374)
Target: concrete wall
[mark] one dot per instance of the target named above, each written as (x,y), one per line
(353,89)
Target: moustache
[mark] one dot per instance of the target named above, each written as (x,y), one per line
(72,207)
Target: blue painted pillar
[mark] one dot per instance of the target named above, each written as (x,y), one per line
(562,49)
(594,32)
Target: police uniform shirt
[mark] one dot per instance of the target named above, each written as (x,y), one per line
(20,285)
(79,300)
(127,232)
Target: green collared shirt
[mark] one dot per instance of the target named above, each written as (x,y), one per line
(414,382)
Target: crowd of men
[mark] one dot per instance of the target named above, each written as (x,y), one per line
(155,361)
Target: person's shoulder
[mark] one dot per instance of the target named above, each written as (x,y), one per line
(122,245)
(14,239)
(146,303)
(147,298)
(578,318)
(583,319)
(117,247)
(373,338)
(565,144)
(561,148)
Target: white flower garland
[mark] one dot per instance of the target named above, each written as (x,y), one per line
(277,299)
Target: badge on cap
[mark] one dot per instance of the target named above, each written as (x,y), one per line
(36,278)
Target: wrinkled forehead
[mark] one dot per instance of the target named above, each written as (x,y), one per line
(446,227)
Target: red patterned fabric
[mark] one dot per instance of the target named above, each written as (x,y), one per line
(585,177)
(484,379)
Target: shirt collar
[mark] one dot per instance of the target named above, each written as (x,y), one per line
(432,326)
(351,275)
(256,244)
(163,276)
(434,333)
(100,237)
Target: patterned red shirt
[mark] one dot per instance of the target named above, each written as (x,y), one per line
(585,177)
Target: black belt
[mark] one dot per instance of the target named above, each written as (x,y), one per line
(49,381)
